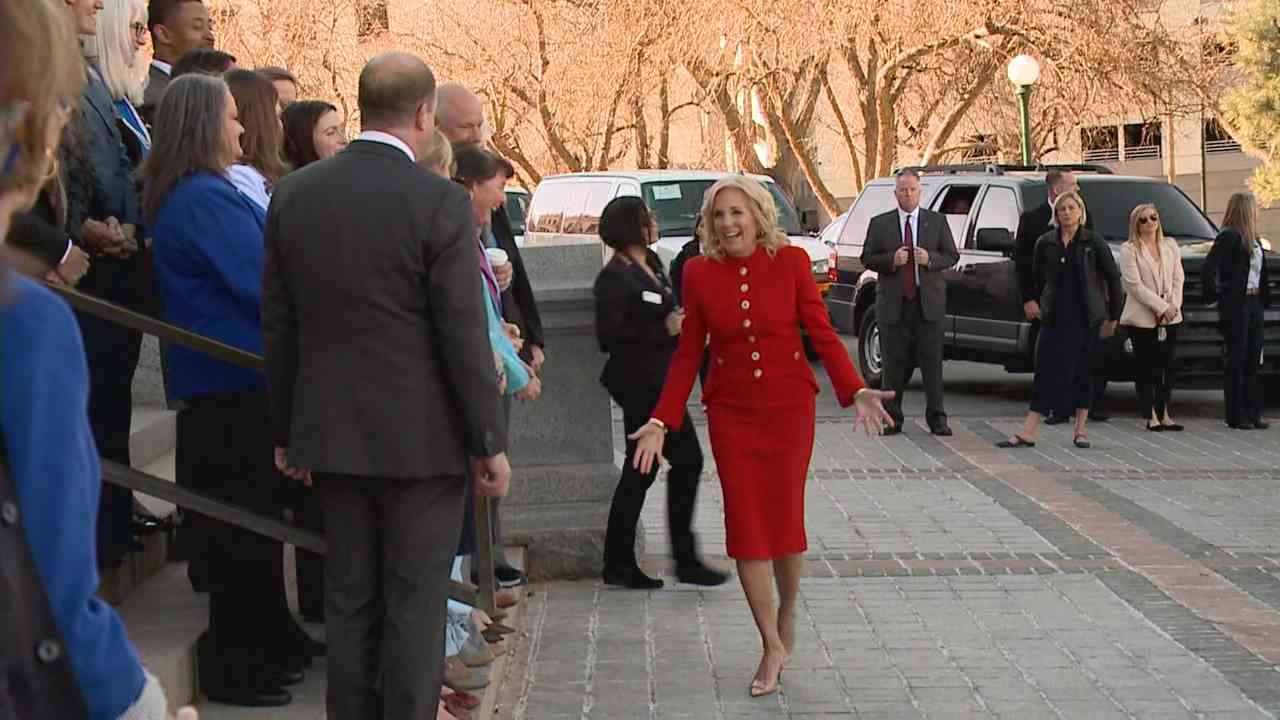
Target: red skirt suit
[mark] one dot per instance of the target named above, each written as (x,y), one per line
(760,392)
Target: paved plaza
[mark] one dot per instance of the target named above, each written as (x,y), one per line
(946,578)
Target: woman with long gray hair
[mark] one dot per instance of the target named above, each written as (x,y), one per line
(1235,276)
(209,263)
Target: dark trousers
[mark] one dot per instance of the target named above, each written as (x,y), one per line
(309,515)
(224,450)
(390,547)
(1242,331)
(908,343)
(682,450)
(1155,369)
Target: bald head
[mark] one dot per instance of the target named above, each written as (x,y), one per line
(395,89)
(459,113)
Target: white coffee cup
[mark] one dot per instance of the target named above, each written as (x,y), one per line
(497,256)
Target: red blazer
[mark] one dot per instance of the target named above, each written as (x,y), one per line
(753,309)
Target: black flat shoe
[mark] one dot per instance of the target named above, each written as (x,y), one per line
(1017,441)
(1082,442)
(1158,427)
(696,573)
(633,578)
(1171,427)
(249,697)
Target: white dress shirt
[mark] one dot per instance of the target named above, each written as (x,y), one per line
(163,67)
(1255,267)
(252,183)
(912,218)
(388,139)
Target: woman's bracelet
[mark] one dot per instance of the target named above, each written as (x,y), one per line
(656,422)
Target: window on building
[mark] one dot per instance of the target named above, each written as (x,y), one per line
(1100,144)
(1217,140)
(372,18)
(1142,140)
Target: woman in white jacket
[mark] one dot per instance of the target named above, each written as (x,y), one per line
(1151,266)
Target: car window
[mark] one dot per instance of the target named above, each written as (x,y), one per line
(955,203)
(874,200)
(1109,202)
(676,204)
(551,203)
(831,233)
(999,210)
(517,203)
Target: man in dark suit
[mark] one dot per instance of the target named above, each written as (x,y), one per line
(1031,225)
(177,27)
(460,118)
(909,247)
(381,383)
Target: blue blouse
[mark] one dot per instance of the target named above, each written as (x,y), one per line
(134,122)
(517,376)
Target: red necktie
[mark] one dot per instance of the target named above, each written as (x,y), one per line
(909,282)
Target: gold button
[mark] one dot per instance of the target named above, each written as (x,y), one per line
(746,304)
(796,356)
(757,372)
(751,338)
(755,356)
(746,323)
(742,270)
(744,287)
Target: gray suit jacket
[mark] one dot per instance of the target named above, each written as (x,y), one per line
(884,237)
(157,83)
(114,193)
(376,338)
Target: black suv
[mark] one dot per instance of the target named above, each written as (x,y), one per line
(985,322)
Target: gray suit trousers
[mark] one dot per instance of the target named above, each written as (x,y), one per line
(390,549)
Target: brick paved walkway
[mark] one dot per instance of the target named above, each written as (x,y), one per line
(947,578)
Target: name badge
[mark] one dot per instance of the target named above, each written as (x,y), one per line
(651,297)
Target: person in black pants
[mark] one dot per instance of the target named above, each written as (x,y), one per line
(637,324)
(1151,266)
(1080,296)
(1237,266)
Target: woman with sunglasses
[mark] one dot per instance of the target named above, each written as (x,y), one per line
(1151,267)
(122,32)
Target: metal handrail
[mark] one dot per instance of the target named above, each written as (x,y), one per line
(482,596)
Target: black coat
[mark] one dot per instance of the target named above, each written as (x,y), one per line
(37,678)
(1031,225)
(518,305)
(884,238)
(36,232)
(631,314)
(691,249)
(376,337)
(1225,273)
(1103,291)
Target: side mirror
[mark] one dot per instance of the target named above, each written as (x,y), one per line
(809,221)
(996,240)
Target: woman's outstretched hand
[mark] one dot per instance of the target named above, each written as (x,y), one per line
(871,413)
(649,439)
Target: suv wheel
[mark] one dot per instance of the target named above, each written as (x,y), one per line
(870,356)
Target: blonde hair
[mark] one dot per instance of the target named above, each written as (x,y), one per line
(1242,208)
(115,41)
(760,205)
(1084,213)
(440,156)
(1134,235)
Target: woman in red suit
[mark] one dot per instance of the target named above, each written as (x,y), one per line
(751,292)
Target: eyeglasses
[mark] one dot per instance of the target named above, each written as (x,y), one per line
(1148,219)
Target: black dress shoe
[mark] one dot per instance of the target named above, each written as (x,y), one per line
(1056,419)
(282,677)
(1241,425)
(633,578)
(695,573)
(942,430)
(249,697)
(1260,424)
(1099,416)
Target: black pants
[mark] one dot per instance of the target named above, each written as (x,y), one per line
(1155,369)
(685,455)
(1242,330)
(309,515)
(224,450)
(908,343)
(390,547)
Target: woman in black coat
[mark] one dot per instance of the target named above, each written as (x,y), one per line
(638,321)
(1081,295)
(1235,276)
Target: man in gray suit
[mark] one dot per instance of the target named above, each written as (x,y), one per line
(909,247)
(381,383)
(177,27)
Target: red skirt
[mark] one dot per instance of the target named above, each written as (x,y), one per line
(762,457)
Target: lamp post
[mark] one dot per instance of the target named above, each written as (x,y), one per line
(1023,72)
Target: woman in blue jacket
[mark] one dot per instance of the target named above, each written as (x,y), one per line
(209,264)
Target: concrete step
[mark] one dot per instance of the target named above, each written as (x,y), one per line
(153,434)
(164,618)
